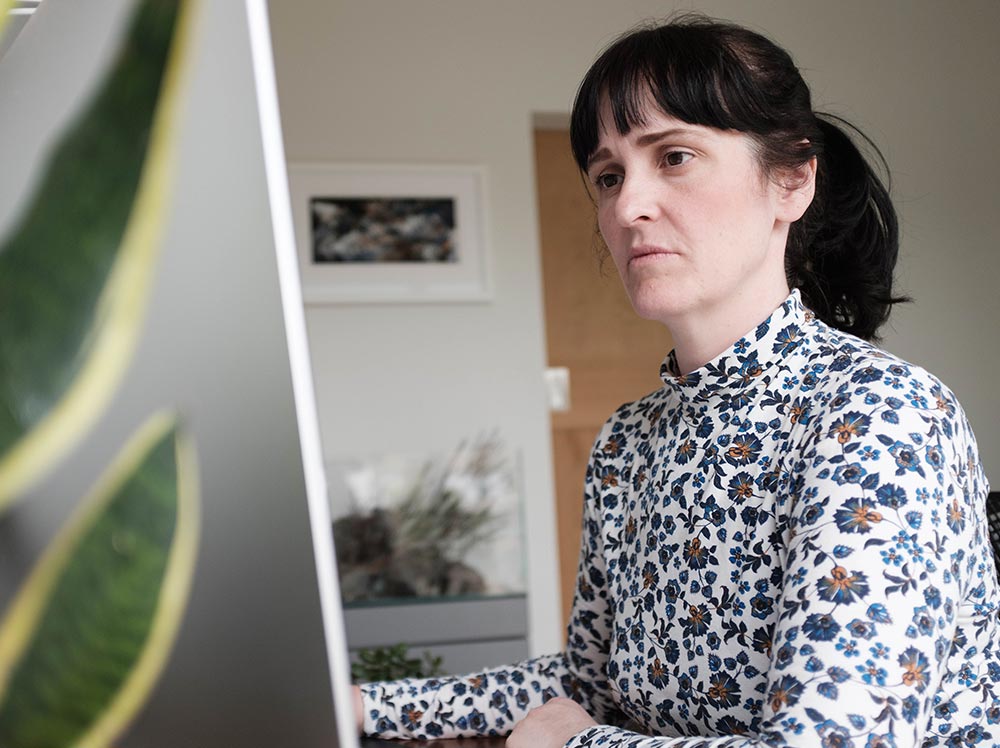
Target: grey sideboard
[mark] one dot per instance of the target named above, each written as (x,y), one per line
(469,634)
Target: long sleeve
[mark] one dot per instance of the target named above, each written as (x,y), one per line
(486,703)
(493,701)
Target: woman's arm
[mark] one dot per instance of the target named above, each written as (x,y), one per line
(493,701)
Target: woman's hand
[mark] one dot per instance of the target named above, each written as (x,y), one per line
(550,725)
(359,708)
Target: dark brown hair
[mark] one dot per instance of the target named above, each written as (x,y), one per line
(842,253)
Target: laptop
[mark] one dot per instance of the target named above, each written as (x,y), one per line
(261,657)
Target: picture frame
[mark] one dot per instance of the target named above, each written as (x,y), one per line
(390,233)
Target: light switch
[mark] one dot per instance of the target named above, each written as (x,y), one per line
(557,384)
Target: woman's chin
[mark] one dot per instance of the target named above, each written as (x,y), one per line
(659,305)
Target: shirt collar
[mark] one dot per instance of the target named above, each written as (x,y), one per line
(746,362)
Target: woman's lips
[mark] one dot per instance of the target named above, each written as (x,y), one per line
(646,253)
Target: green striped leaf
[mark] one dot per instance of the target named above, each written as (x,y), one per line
(5,6)
(76,267)
(91,629)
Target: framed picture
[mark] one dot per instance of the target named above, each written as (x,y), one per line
(389,233)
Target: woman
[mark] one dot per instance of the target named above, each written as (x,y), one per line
(786,544)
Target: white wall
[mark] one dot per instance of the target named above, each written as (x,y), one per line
(457,81)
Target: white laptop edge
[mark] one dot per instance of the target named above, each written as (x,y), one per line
(302,384)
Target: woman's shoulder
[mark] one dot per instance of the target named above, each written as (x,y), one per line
(843,363)
(853,375)
(633,421)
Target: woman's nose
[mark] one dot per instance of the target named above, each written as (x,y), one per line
(636,201)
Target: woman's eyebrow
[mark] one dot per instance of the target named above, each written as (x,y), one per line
(655,137)
(643,141)
(599,155)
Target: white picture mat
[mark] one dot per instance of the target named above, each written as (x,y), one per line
(466,279)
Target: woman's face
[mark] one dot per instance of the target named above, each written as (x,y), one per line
(696,231)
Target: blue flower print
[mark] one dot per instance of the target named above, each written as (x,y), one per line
(891,495)
(614,445)
(866,375)
(434,730)
(685,452)
(812,514)
(876,740)
(522,699)
(761,606)
(411,715)
(872,673)
(657,673)
(744,449)
(838,674)
(834,736)
(828,690)
(786,341)
(723,690)
(785,692)
(843,586)
(923,621)
(861,629)
(787,544)
(821,627)
(933,457)
(915,665)
(848,647)
(857,515)
(849,426)
(697,621)
(741,487)
(850,473)
(933,596)
(910,708)
(696,555)
(879,650)
(878,613)
(906,458)
(609,477)
(956,517)
(784,656)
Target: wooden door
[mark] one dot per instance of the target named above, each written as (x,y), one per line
(612,355)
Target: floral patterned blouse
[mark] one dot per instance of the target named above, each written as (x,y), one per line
(786,547)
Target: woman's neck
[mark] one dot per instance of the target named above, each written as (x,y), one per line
(699,339)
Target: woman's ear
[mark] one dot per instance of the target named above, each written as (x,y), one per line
(795,191)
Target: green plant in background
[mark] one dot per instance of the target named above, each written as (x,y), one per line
(415,543)
(392,663)
(436,515)
(90,629)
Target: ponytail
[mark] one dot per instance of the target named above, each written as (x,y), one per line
(842,253)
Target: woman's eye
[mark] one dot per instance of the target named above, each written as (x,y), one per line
(607,181)
(677,158)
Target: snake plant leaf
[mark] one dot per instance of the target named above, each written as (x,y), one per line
(76,267)
(89,632)
(5,6)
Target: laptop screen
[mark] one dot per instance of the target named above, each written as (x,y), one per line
(222,344)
